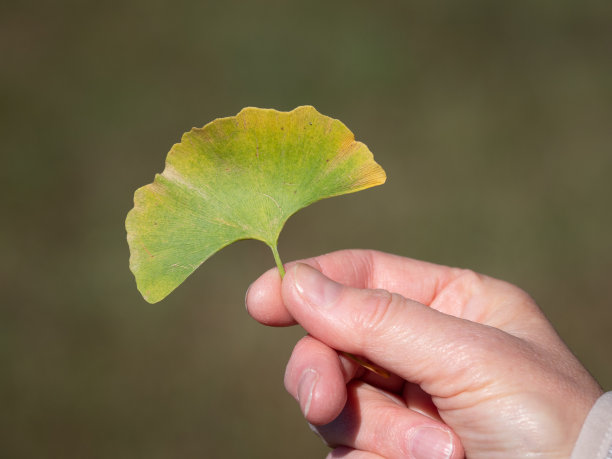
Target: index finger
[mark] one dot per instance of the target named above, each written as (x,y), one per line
(414,279)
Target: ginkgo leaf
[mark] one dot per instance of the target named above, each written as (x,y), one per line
(236,178)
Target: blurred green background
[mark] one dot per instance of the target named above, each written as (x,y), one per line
(492,119)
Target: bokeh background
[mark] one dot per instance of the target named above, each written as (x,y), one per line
(492,119)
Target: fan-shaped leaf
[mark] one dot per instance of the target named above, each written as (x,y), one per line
(239,177)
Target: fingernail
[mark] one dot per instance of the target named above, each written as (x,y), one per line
(314,287)
(306,386)
(431,443)
(246,298)
(317,431)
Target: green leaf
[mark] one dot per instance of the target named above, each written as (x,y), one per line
(236,178)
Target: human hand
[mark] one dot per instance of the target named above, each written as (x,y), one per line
(477,368)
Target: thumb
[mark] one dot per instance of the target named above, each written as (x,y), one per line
(414,341)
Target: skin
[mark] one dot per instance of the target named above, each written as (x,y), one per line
(477,370)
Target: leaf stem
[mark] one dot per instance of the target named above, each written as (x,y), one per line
(367,364)
(279,263)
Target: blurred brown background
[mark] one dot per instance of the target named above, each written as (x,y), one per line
(492,119)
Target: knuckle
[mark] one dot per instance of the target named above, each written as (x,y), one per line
(471,279)
(374,316)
